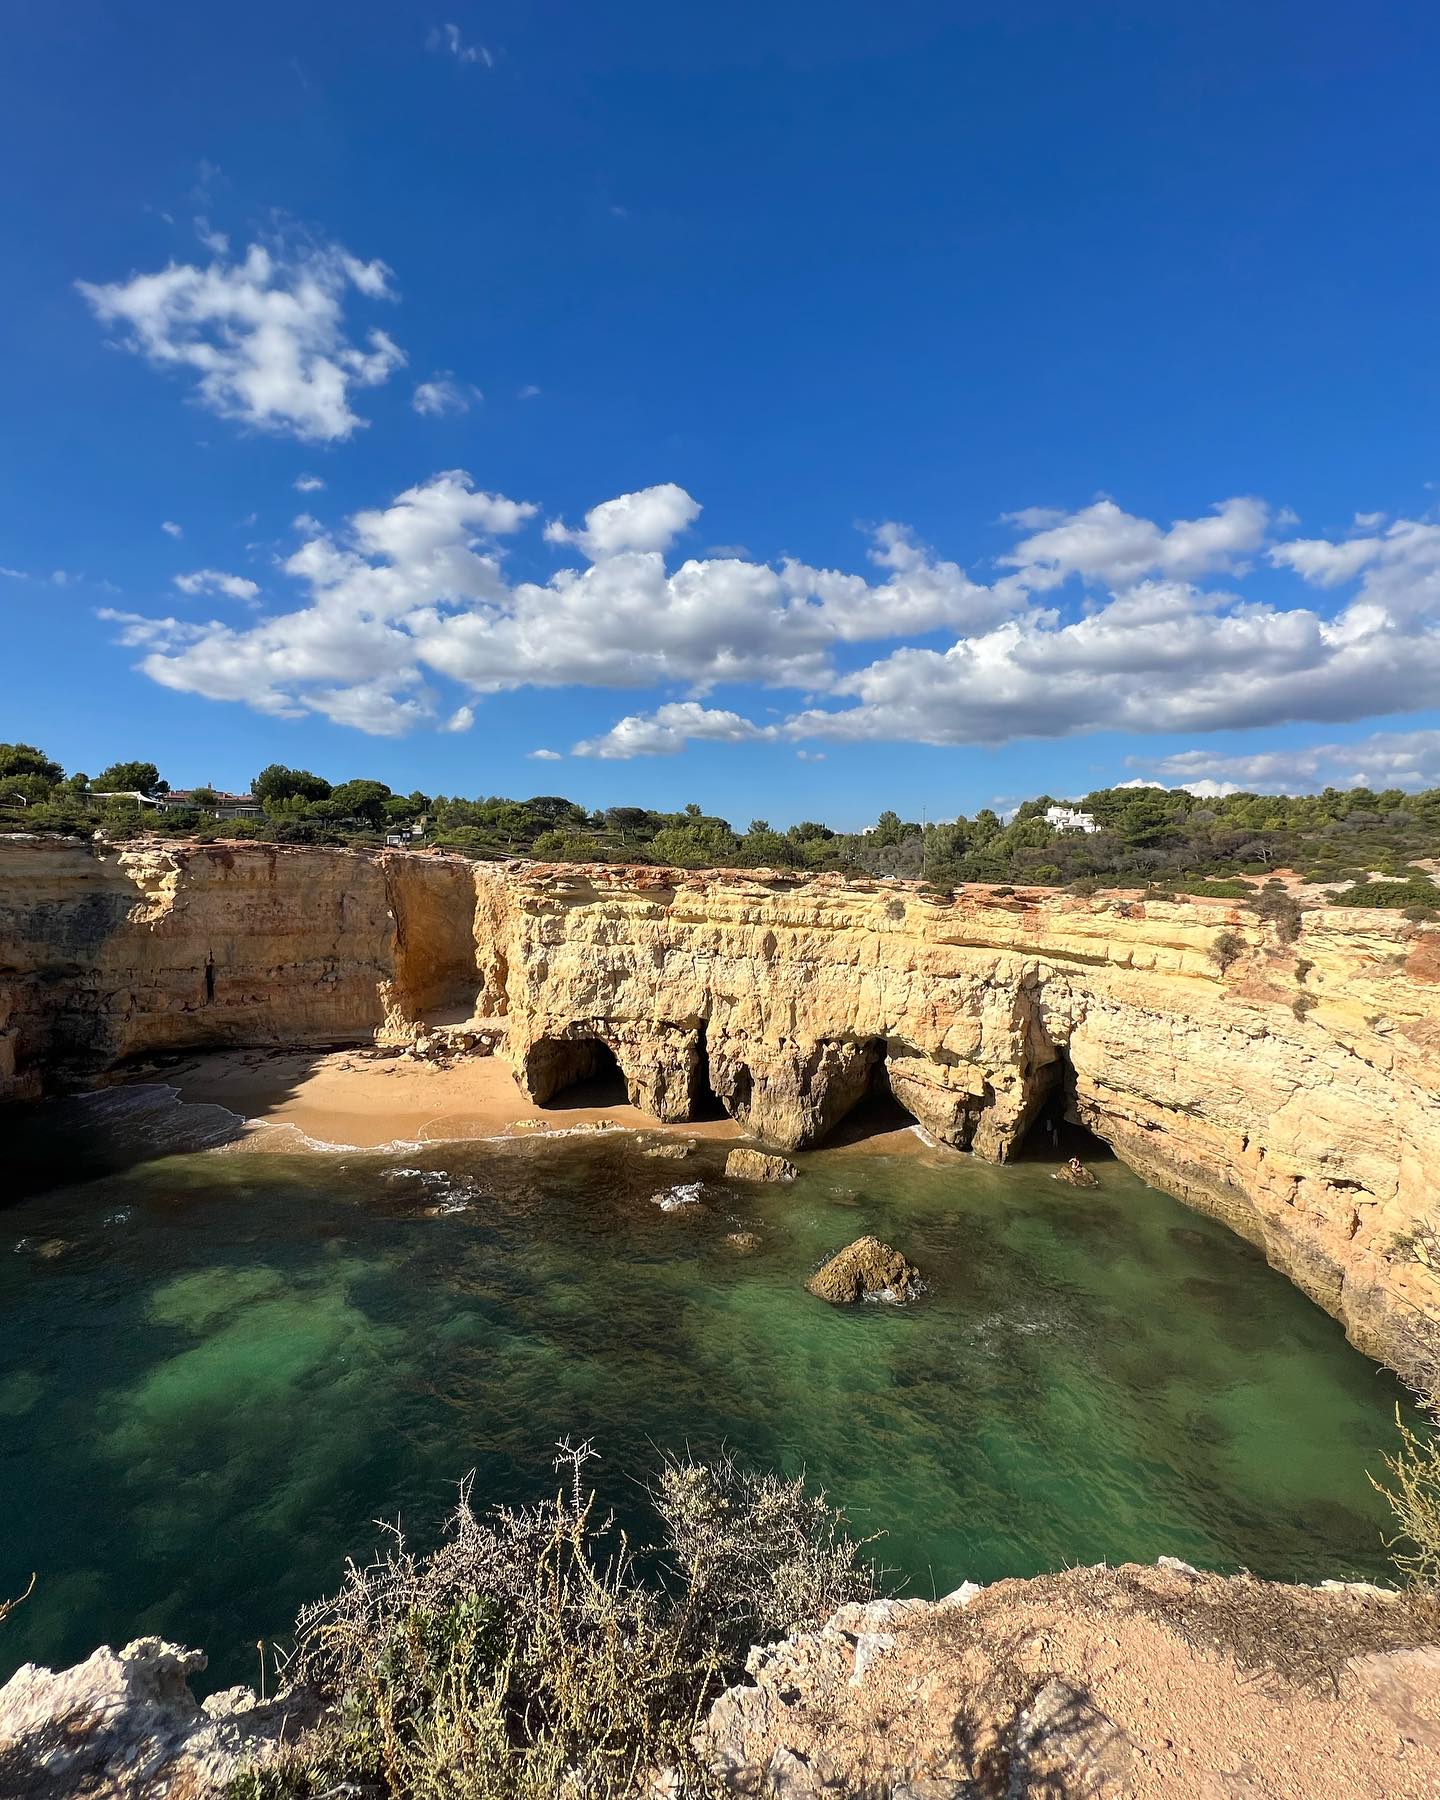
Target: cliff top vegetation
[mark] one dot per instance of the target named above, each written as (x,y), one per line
(1360,843)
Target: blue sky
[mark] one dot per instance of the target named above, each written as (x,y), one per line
(992,398)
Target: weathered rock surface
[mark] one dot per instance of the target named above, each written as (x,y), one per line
(126,1727)
(1099,1684)
(1291,1093)
(865,1270)
(758,1165)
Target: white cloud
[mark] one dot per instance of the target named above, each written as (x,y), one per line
(448,40)
(1401,567)
(647,520)
(1384,759)
(171,529)
(528,392)
(215,581)
(810,755)
(442,395)
(461,719)
(545,755)
(308,484)
(265,338)
(419,588)
(1103,543)
(668,729)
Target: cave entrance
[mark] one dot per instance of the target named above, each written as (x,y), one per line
(581,1073)
(1054,1134)
(705,1103)
(876,1113)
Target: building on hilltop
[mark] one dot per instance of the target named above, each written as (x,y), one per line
(1066,818)
(219,805)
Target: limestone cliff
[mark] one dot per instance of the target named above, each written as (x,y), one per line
(1286,1086)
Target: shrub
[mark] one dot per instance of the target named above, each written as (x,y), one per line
(1228,948)
(537,1652)
(1415,1497)
(1277,908)
(1420,915)
(1217,890)
(1414,892)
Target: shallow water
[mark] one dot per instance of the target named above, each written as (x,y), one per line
(216,1370)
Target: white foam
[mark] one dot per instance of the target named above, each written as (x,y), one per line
(686,1193)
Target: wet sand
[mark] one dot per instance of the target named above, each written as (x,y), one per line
(365,1098)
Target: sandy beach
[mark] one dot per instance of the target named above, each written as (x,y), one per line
(366,1098)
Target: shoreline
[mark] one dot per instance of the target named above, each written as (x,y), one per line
(360,1098)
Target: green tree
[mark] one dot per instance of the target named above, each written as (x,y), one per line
(131,778)
(360,800)
(25,759)
(276,782)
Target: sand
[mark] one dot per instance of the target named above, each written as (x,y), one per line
(366,1098)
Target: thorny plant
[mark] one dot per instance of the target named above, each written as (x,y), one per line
(536,1651)
(1415,1497)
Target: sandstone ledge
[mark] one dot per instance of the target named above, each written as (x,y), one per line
(1147,1683)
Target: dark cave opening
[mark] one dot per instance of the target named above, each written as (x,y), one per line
(705,1103)
(1054,1134)
(583,1072)
(877,1113)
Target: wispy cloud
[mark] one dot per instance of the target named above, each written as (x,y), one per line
(216,581)
(443,396)
(449,41)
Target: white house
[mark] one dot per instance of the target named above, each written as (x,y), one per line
(1066,818)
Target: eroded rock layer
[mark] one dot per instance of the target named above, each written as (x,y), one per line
(1282,1079)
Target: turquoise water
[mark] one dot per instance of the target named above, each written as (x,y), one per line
(219,1369)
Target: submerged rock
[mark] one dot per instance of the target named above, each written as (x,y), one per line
(742,1242)
(864,1270)
(120,1727)
(758,1165)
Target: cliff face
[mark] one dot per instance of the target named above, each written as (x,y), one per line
(1286,1087)
(106,955)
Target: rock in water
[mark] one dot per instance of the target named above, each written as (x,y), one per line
(758,1165)
(866,1268)
(1077,1175)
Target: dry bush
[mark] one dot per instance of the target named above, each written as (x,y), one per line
(1228,948)
(537,1652)
(1282,911)
(8,1606)
(1415,1498)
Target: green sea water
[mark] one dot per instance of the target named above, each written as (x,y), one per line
(217,1370)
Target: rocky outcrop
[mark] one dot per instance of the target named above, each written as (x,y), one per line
(1100,1684)
(865,1270)
(126,1727)
(758,1165)
(1285,1083)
